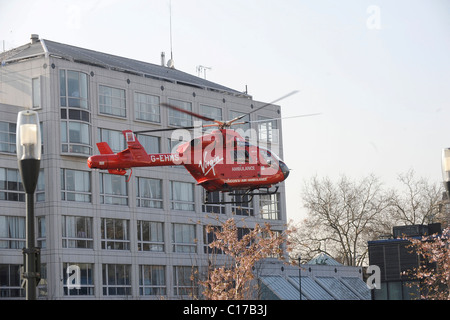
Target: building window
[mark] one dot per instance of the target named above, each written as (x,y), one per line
(73,89)
(36,92)
(215,199)
(75,115)
(11,188)
(42,233)
(269,205)
(172,144)
(113,189)
(244,127)
(111,101)
(114,138)
(185,281)
(116,279)
(152,280)
(243,205)
(42,286)
(86,280)
(77,232)
(184,239)
(210,112)
(75,185)
(182,195)
(210,237)
(12,232)
(76,137)
(40,188)
(115,234)
(7,137)
(146,107)
(268,130)
(242,232)
(149,193)
(150,236)
(177,118)
(151,144)
(10,281)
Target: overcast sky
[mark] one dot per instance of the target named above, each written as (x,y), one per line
(378,71)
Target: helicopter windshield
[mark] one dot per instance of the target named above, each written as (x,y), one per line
(268,156)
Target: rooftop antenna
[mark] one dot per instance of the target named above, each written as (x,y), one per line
(170,63)
(202,69)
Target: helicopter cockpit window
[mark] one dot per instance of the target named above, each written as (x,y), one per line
(240,156)
(267,156)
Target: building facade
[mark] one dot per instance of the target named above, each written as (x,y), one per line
(138,237)
(397,259)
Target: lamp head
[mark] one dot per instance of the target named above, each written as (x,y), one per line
(28,136)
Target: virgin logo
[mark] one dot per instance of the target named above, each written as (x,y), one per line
(204,165)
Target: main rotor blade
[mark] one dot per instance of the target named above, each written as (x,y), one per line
(230,122)
(187,112)
(166,129)
(270,103)
(282,118)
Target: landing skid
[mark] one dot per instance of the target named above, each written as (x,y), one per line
(245,197)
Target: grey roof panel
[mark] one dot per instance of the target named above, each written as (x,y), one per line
(312,289)
(129,65)
(337,288)
(113,62)
(22,52)
(359,286)
(317,288)
(281,287)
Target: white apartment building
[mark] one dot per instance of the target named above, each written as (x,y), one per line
(138,237)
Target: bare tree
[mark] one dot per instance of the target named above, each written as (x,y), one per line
(416,202)
(341,218)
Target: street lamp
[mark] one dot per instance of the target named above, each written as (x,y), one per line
(300,275)
(28,146)
(446,169)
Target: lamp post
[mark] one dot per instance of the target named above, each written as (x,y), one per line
(300,276)
(446,170)
(28,146)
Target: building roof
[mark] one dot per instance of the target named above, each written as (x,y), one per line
(54,49)
(314,288)
(317,282)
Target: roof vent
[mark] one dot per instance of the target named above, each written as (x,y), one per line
(34,38)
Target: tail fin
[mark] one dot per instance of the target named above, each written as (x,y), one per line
(134,146)
(104,148)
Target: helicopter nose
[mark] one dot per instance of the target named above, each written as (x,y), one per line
(284,169)
(89,162)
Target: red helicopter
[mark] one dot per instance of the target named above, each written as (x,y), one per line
(221,160)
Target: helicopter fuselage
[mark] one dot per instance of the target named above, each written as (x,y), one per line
(219,161)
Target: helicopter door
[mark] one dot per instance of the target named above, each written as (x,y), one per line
(240,155)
